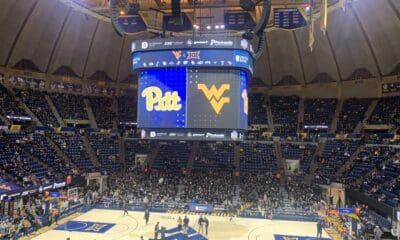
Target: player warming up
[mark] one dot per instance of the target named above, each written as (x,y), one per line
(319,230)
(125,206)
(146,215)
(180,223)
(201,223)
(205,220)
(156,230)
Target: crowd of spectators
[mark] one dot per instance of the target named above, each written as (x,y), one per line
(319,111)
(17,162)
(302,152)
(380,168)
(26,218)
(285,112)
(213,186)
(29,159)
(107,151)
(352,113)
(302,196)
(139,147)
(126,109)
(215,156)
(390,87)
(104,111)
(260,190)
(172,155)
(26,81)
(37,145)
(387,111)
(9,105)
(71,144)
(257,109)
(144,185)
(334,155)
(257,157)
(69,106)
(36,102)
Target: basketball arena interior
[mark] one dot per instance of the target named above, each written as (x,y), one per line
(199,119)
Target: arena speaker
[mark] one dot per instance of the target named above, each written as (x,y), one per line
(133,9)
(176,12)
(247,5)
(114,13)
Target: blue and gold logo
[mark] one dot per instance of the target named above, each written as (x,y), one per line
(157,101)
(214,95)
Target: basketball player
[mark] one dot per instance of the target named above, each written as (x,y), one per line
(186,221)
(319,230)
(125,206)
(206,224)
(180,223)
(200,224)
(146,215)
(156,230)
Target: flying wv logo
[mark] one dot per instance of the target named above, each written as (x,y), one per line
(214,95)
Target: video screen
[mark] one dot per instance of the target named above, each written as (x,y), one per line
(194,99)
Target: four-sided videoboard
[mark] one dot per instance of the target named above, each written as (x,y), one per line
(193,89)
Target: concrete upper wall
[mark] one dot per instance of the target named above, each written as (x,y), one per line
(105,52)
(40,33)
(73,48)
(12,17)
(348,44)
(283,56)
(320,59)
(51,35)
(382,28)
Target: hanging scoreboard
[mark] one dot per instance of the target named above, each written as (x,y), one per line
(193,93)
(288,18)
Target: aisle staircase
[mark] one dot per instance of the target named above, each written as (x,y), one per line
(280,160)
(367,115)
(54,110)
(348,163)
(121,149)
(89,110)
(90,150)
(288,209)
(236,156)
(314,165)
(30,113)
(61,154)
(300,119)
(152,156)
(115,121)
(193,153)
(335,119)
(269,116)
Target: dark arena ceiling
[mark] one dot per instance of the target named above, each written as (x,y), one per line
(75,37)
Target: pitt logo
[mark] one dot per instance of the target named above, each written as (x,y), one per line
(177,54)
(214,95)
(156,101)
(193,55)
(245,101)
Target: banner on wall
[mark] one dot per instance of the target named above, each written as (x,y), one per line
(10,190)
(6,186)
(204,208)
